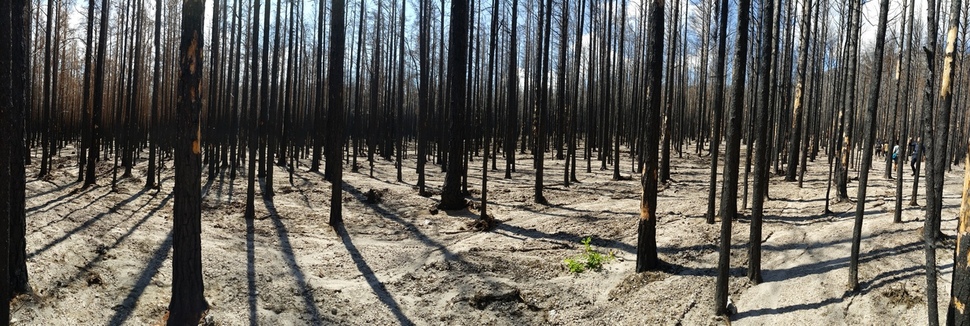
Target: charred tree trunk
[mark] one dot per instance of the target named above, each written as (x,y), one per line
(20,99)
(760,184)
(647,226)
(451,197)
(929,224)
(253,117)
(424,93)
(869,140)
(732,161)
(512,91)
(93,151)
(800,94)
(6,112)
(956,313)
(718,109)
(188,300)
(335,104)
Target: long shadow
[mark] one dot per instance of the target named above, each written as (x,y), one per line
(76,194)
(866,287)
(123,312)
(66,216)
(251,270)
(53,190)
(102,251)
(86,224)
(568,237)
(410,227)
(287,249)
(375,284)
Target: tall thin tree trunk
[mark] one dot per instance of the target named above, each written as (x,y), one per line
(718,107)
(732,160)
(869,140)
(647,226)
(188,303)
(451,197)
(760,184)
(335,104)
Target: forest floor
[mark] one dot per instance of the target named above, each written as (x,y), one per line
(100,257)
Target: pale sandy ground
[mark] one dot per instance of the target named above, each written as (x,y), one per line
(98,257)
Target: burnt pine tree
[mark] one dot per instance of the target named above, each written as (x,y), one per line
(868,144)
(188,301)
(487,221)
(956,313)
(512,91)
(929,227)
(86,89)
(335,84)
(732,158)
(451,197)
(898,212)
(761,140)
(5,121)
(253,109)
(718,107)
(541,98)
(647,226)
(93,150)
(424,93)
(156,98)
(800,93)
(21,99)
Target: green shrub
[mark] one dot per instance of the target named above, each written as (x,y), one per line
(590,259)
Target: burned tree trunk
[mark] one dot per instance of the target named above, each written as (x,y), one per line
(451,197)
(868,145)
(732,161)
(335,84)
(188,300)
(647,226)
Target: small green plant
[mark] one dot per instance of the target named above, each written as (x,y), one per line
(590,259)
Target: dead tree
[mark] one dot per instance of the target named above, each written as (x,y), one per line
(188,300)
(870,137)
(647,226)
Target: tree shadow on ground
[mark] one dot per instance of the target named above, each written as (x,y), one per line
(375,284)
(865,287)
(123,311)
(287,249)
(87,223)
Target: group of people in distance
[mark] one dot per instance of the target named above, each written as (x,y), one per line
(915,152)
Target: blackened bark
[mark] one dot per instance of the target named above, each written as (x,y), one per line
(732,160)
(718,108)
(647,226)
(760,184)
(156,89)
(253,108)
(929,225)
(21,100)
(89,178)
(800,94)
(335,119)
(451,197)
(513,94)
(6,110)
(957,312)
(188,301)
(868,144)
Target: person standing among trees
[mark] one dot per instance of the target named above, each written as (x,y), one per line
(916,148)
(896,152)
